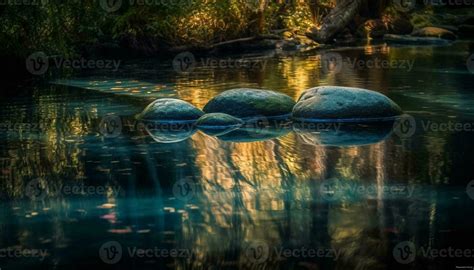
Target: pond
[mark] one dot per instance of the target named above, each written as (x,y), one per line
(74,194)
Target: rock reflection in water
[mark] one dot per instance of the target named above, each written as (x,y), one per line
(169,132)
(259,129)
(343,134)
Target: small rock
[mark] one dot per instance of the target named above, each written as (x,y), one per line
(170,110)
(434,32)
(247,103)
(218,120)
(344,104)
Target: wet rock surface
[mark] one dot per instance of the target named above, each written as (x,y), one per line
(344,104)
(246,103)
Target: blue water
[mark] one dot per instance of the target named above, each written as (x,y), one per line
(75,194)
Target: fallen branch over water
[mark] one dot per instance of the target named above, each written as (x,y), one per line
(224,43)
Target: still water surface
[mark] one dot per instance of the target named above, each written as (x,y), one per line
(73,196)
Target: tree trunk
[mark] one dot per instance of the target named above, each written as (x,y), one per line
(336,20)
(261,16)
(314,7)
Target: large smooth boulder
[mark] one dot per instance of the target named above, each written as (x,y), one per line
(170,110)
(434,32)
(248,103)
(344,104)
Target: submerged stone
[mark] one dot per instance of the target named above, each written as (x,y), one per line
(245,103)
(170,110)
(217,124)
(344,104)
(218,120)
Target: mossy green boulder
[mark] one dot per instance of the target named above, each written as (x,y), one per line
(248,103)
(344,104)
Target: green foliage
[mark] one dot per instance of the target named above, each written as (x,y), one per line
(63,28)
